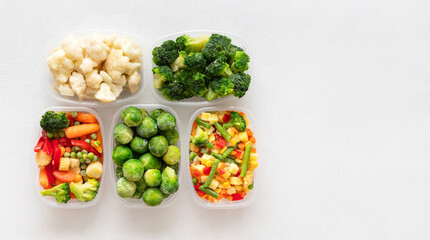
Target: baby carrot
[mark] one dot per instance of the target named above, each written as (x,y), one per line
(81,130)
(83,117)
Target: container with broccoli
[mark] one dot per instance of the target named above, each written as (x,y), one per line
(146,155)
(208,67)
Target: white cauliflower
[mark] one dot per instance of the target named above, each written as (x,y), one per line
(105,93)
(77,66)
(61,67)
(65,89)
(90,93)
(72,48)
(116,88)
(97,50)
(133,82)
(132,67)
(130,49)
(87,65)
(116,64)
(93,79)
(77,82)
(109,40)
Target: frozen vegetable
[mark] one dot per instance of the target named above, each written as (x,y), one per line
(166,121)
(169,181)
(121,154)
(52,121)
(85,192)
(122,134)
(133,169)
(172,155)
(150,161)
(147,128)
(171,135)
(61,192)
(158,146)
(139,145)
(132,116)
(125,188)
(152,177)
(152,196)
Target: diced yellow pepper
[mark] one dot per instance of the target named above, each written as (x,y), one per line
(214,184)
(214,118)
(235,181)
(233,168)
(252,165)
(218,190)
(226,175)
(253,157)
(234,140)
(231,191)
(206,116)
(226,184)
(243,137)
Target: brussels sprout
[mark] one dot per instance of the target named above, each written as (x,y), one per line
(172,136)
(175,167)
(152,196)
(158,145)
(125,188)
(169,181)
(166,121)
(139,145)
(149,161)
(172,155)
(122,134)
(132,116)
(154,114)
(165,195)
(118,172)
(141,185)
(133,169)
(144,112)
(147,128)
(152,177)
(137,195)
(121,154)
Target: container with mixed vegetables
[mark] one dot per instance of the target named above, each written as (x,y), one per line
(223,156)
(70,156)
(145,154)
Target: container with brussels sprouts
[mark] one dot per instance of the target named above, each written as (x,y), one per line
(146,155)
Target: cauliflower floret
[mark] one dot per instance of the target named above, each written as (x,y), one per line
(77,82)
(90,93)
(109,40)
(87,65)
(105,93)
(96,49)
(61,67)
(132,67)
(133,82)
(72,48)
(116,64)
(65,89)
(106,78)
(130,49)
(93,79)
(77,66)
(116,88)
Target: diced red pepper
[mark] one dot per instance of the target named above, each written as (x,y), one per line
(85,146)
(238,173)
(207,170)
(50,174)
(69,116)
(198,191)
(219,140)
(65,142)
(237,197)
(47,146)
(56,155)
(238,153)
(196,173)
(221,171)
(39,145)
(226,118)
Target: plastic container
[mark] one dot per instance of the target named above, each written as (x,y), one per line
(125,96)
(194,101)
(72,203)
(139,203)
(223,204)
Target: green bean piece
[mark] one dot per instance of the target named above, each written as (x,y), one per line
(211,174)
(203,123)
(222,131)
(195,181)
(245,160)
(228,151)
(209,145)
(209,192)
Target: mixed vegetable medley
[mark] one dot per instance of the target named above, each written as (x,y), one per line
(205,66)
(223,156)
(146,156)
(70,156)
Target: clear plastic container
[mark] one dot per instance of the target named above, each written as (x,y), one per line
(72,203)
(194,101)
(139,203)
(223,204)
(125,96)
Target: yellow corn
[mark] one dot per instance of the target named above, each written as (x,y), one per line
(243,136)
(226,184)
(230,131)
(206,116)
(64,164)
(74,162)
(253,157)
(218,190)
(223,150)
(226,175)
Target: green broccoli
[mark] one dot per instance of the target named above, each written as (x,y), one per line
(237,121)
(190,44)
(52,121)
(241,83)
(173,90)
(165,54)
(162,74)
(222,86)
(179,62)
(210,95)
(215,46)
(232,51)
(61,192)
(240,62)
(200,138)
(195,61)
(85,192)
(218,68)
(193,82)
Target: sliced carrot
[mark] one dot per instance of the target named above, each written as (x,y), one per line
(63,150)
(241,146)
(58,182)
(43,178)
(196,149)
(230,198)
(77,178)
(83,117)
(100,138)
(249,132)
(64,176)
(252,140)
(254,150)
(81,130)
(68,149)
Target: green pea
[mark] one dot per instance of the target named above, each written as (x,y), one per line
(94,136)
(79,154)
(74,114)
(91,156)
(83,166)
(76,123)
(73,155)
(88,161)
(88,140)
(81,160)
(77,148)
(66,154)
(95,158)
(84,151)
(50,135)
(83,173)
(85,156)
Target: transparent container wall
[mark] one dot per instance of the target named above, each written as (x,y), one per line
(139,203)
(72,203)
(194,101)
(124,98)
(223,204)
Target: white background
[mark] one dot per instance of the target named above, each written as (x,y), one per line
(340,92)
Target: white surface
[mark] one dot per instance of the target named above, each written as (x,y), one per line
(341,98)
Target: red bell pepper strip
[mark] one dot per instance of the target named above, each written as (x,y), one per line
(56,155)
(226,117)
(85,146)
(219,140)
(69,116)
(238,173)
(237,197)
(47,146)
(207,170)
(65,142)
(221,171)
(50,174)
(39,145)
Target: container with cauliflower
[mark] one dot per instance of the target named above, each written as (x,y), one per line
(96,67)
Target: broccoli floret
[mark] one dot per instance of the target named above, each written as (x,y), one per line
(200,138)
(179,62)
(189,44)
(193,82)
(195,61)
(232,51)
(218,68)
(222,86)
(240,62)
(161,75)
(61,192)
(165,54)
(52,121)
(174,90)
(85,192)
(237,121)
(210,95)
(241,83)
(216,45)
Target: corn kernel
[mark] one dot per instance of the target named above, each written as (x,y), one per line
(214,184)
(233,141)
(206,116)
(218,190)
(253,157)
(243,137)
(223,150)
(235,181)
(226,184)
(253,165)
